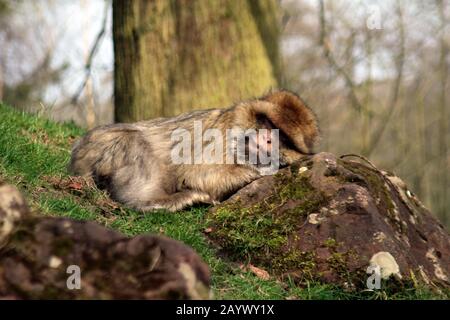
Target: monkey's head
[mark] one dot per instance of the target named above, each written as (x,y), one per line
(296,123)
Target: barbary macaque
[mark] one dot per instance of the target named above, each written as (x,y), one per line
(197,157)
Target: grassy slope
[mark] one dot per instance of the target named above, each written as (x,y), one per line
(35,151)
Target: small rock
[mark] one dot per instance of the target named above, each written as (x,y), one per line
(302,169)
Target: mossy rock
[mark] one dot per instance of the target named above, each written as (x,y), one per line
(326,219)
(38,252)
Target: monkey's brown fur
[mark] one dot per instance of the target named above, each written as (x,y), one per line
(133,161)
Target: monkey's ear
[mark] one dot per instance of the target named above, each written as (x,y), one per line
(292,116)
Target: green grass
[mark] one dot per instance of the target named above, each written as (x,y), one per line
(32,149)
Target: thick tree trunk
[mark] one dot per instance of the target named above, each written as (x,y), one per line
(443,120)
(174,56)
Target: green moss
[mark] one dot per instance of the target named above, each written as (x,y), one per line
(249,229)
(261,232)
(295,260)
(339,261)
(331,243)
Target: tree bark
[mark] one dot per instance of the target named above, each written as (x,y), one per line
(443,124)
(175,56)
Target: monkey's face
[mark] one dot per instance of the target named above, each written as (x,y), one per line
(295,120)
(286,129)
(270,140)
(278,129)
(264,135)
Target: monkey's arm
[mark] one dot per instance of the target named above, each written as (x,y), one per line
(177,201)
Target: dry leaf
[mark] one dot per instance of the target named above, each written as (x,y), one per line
(75,185)
(260,273)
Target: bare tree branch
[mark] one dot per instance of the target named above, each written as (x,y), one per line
(323,41)
(399,63)
(93,51)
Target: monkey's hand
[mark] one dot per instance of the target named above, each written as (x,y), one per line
(213,202)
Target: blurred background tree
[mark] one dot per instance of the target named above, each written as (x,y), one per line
(376,74)
(175,56)
(27,81)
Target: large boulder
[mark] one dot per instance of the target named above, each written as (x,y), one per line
(41,258)
(327,219)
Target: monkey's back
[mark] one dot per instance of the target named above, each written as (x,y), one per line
(109,150)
